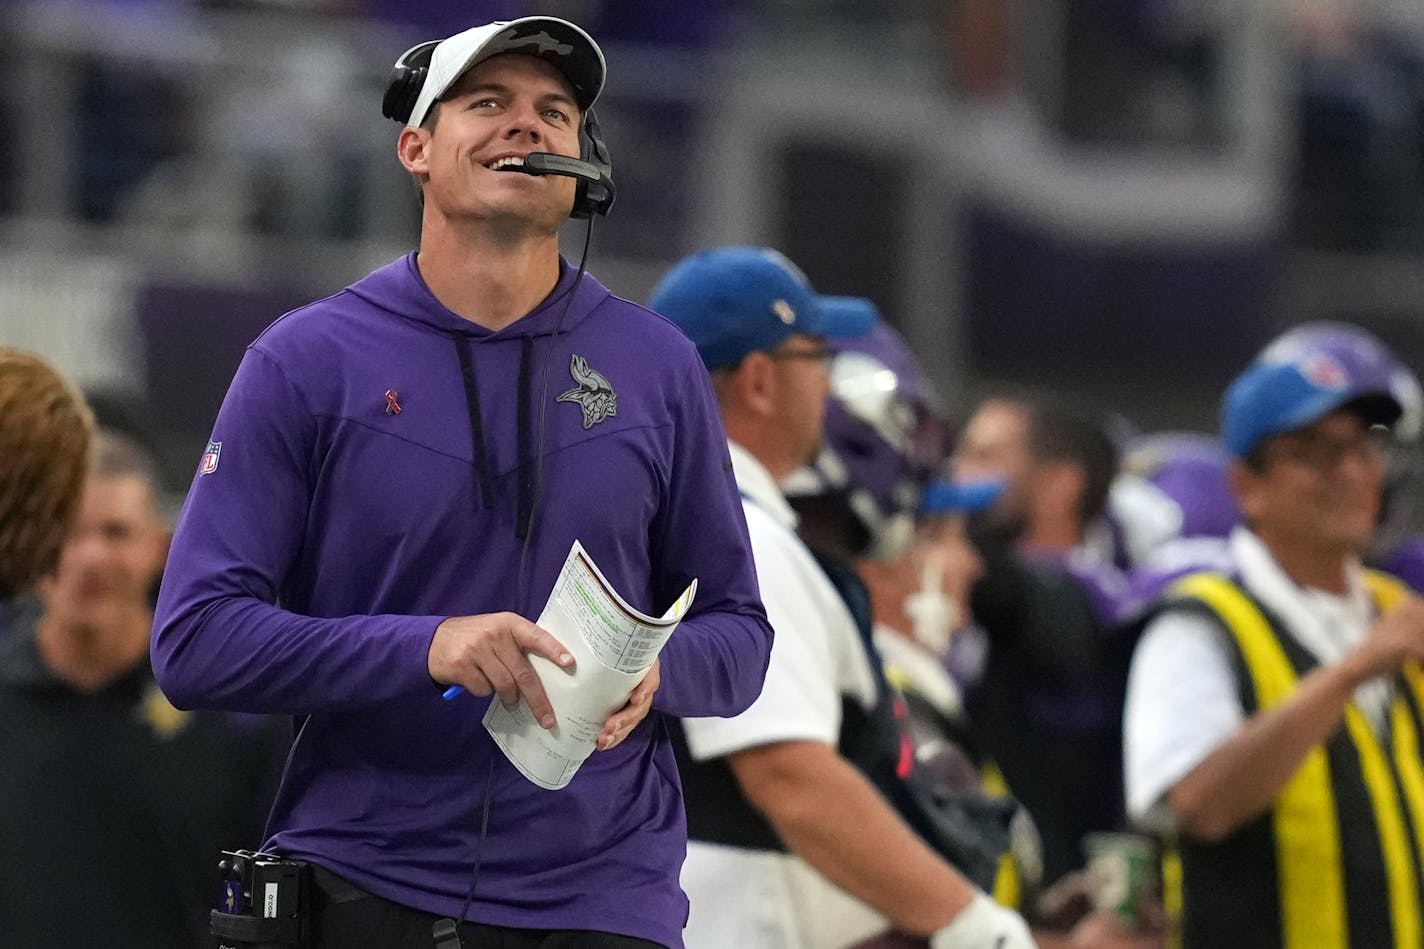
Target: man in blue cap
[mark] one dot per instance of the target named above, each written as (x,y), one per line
(791,845)
(1274,709)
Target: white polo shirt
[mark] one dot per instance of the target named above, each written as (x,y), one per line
(755,900)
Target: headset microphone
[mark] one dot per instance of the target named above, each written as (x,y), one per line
(548,163)
(592,169)
(595,188)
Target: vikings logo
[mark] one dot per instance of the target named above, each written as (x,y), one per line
(593,393)
(542,43)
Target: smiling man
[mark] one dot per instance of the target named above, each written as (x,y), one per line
(1273,712)
(391,488)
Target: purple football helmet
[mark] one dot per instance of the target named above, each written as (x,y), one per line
(884,438)
(1172,487)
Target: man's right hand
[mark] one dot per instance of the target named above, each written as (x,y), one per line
(1394,639)
(490,653)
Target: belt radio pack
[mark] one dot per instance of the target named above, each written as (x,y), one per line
(265,902)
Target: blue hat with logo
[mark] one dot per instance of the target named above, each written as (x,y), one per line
(733,301)
(1272,397)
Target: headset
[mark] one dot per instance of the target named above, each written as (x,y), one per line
(593,170)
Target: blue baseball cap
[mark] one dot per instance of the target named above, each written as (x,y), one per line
(732,301)
(945,496)
(1272,397)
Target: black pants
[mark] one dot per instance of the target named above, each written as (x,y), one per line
(346,918)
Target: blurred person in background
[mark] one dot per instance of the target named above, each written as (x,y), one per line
(394,483)
(118,802)
(872,499)
(45,428)
(875,498)
(1398,543)
(890,540)
(1045,663)
(791,845)
(1272,724)
(1173,508)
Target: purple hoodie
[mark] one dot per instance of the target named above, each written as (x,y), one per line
(336,526)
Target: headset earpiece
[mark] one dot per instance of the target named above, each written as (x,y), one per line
(591,197)
(407,78)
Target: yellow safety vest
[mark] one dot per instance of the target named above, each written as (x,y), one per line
(1320,865)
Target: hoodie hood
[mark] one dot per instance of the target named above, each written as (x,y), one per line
(400,290)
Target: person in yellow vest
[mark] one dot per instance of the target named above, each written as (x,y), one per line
(1273,711)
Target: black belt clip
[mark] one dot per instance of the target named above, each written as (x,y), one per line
(265,902)
(446,933)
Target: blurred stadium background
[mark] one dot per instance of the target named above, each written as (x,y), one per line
(1121,199)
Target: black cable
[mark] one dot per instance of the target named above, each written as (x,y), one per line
(543,410)
(441,933)
(282,779)
(524,466)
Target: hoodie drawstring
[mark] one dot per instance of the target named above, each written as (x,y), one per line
(525,475)
(483,479)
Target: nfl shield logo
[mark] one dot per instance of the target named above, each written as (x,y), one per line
(209,462)
(1325,372)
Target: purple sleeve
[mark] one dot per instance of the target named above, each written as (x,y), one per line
(1406,562)
(219,639)
(715,662)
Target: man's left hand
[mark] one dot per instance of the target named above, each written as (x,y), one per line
(623,721)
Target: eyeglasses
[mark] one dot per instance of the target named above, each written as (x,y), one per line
(822,353)
(1319,452)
